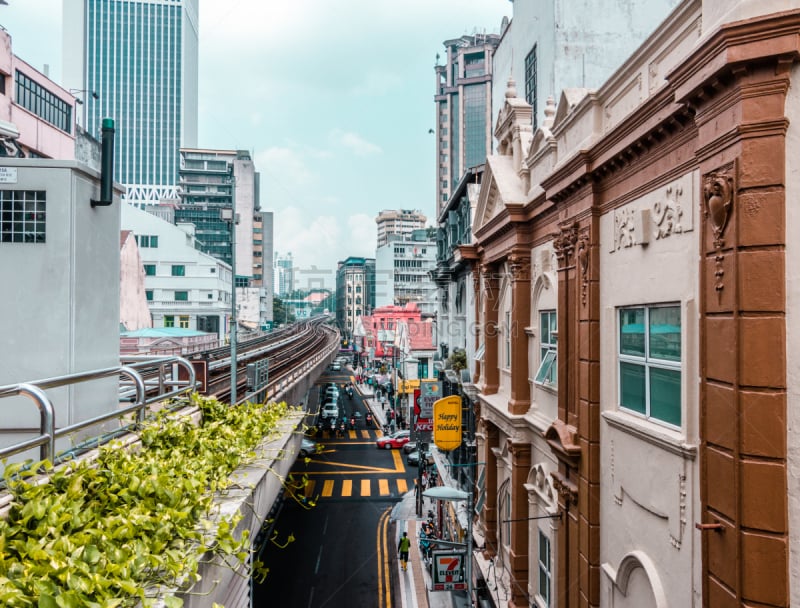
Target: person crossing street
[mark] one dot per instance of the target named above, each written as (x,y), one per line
(403,547)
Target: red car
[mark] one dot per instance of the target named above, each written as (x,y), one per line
(395,440)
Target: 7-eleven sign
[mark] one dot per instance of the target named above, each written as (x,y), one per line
(448,571)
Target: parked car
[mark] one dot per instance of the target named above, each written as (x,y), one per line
(410,447)
(413,458)
(307,447)
(395,440)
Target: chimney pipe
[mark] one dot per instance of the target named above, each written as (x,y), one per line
(106,165)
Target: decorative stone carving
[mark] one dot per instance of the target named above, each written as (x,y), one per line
(674,540)
(583,263)
(567,492)
(624,228)
(564,243)
(520,267)
(667,214)
(718,199)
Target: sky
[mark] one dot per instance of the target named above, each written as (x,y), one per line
(334,100)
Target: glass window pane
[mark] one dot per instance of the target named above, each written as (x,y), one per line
(545,327)
(665,333)
(632,386)
(665,395)
(631,331)
(546,371)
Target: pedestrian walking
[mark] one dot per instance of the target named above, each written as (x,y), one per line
(403,547)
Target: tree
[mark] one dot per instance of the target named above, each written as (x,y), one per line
(281,312)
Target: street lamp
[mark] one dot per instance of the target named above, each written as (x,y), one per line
(229,215)
(455,495)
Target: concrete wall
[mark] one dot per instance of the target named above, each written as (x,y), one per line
(64,315)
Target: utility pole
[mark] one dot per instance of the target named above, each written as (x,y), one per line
(231,215)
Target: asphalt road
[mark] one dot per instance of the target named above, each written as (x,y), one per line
(339,556)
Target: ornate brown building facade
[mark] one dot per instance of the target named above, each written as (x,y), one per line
(634,306)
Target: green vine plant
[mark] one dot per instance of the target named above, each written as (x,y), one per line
(131,526)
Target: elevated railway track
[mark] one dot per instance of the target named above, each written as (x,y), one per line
(291,355)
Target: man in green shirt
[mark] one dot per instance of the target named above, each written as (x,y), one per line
(403,547)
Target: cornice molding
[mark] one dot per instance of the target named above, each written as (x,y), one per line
(773,36)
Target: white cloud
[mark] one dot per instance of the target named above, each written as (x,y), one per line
(354,142)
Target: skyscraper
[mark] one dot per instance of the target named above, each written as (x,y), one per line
(463,110)
(136,62)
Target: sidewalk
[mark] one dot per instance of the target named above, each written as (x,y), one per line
(414,584)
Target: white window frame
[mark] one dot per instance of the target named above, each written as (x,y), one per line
(508,339)
(649,362)
(548,352)
(544,596)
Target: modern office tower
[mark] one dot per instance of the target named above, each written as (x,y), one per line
(136,61)
(463,109)
(398,222)
(355,291)
(267,247)
(209,180)
(284,274)
(403,270)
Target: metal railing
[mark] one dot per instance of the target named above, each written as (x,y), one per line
(134,390)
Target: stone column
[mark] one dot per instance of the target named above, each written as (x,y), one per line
(520,265)
(489,512)
(476,288)
(740,115)
(491,298)
(518,552)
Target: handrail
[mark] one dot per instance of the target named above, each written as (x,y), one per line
(47,431)
(47,420)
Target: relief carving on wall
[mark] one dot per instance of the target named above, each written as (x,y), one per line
(667,214)
(718,199)
(624,228)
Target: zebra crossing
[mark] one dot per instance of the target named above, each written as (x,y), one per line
(355,488)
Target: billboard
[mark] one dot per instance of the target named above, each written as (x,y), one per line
(447,423)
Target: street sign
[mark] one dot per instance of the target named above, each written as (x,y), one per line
(430,392)
(447,423)
(448,571)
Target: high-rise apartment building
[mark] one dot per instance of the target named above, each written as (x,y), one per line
(463,109)
(403,271)
(355,291)
(136,62)
(209,181)
(401,222)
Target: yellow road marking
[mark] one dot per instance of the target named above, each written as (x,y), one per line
(327,488)
(309,489)
(364,433)
(383,487)
(402,486)
(347,487)
(398,461)
(351,433)
(365,487)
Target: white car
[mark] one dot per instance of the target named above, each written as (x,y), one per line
(329,410)
(336,367)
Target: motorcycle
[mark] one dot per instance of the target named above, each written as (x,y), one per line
(369,418)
